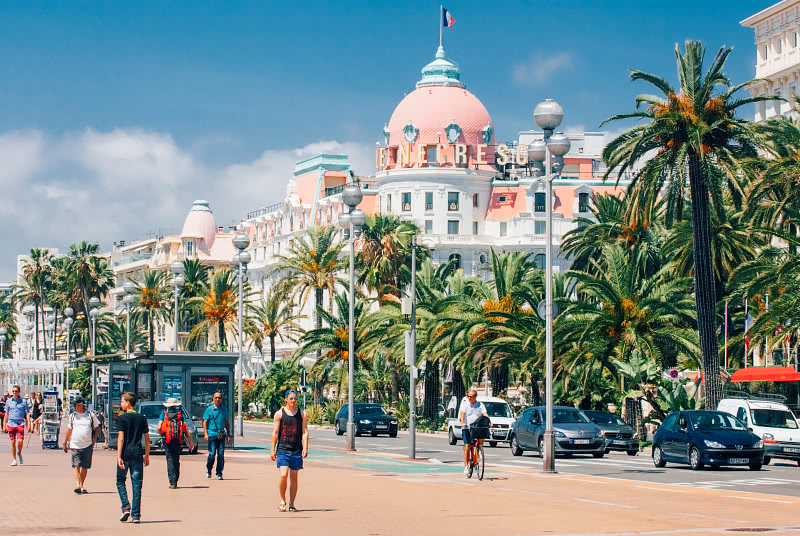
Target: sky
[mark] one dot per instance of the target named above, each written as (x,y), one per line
(115,116)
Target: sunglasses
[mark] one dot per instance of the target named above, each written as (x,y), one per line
(217,398)
(293,398)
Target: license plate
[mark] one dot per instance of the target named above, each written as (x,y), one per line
(382,426)
(738,461)
(581,441)
(791,449)
(618,442)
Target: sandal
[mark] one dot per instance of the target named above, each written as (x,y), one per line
(282,507)
(292,509)
(83,491)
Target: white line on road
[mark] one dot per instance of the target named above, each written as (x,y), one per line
(662,489)
(607,503)
(757,499)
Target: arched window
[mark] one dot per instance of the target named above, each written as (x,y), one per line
(457,258)
(540,259)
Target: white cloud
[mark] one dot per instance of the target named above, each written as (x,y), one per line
(120,184)
(540,68)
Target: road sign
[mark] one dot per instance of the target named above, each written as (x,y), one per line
(542,309)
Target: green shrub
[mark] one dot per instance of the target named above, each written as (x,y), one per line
(331,410)
(316,414)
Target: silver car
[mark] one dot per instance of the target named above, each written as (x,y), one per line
(573,432)
(152,411)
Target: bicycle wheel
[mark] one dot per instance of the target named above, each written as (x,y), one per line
(471,464)
(479,462)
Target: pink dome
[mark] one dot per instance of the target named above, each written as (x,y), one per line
(200,224)
(432,108)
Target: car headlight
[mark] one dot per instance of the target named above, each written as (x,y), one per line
(768,437)
(602,433)
(394,422)
(365,421)
(559,434)
(759,444)
(713,444)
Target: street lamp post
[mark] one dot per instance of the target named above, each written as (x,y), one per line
(548,115)
(241,241)
(352,222)
(51,331)
(177,285)
(3,332)
(412,400)
(68,320)
(128,301)
(30,311)
(94,304)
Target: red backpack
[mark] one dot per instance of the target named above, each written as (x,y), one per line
(172,428)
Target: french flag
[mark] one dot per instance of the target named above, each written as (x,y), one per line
(447,19)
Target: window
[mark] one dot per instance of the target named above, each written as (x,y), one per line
(538,202)
(428,226)
(795,39)
(742,415)
(501,198)
(540,227)
(503,228)
(455,257)
(474,200)
(583,202)
(388,202)
(406,201)
(780,45)
(432,156)
(452,227)
(189,249)
(428,200)
(540,259)
(766,49)
(475,228)
(452,201)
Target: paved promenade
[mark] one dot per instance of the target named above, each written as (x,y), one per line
(369,494)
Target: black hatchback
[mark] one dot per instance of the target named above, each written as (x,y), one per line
(706,438)
(368,419)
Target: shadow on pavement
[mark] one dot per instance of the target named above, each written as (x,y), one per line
(161,521)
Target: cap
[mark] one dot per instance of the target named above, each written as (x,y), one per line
(289,391)
(78,400)
(172,403)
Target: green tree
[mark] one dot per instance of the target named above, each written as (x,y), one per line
(218,302)
(272,318)
(692,128)
(153,297)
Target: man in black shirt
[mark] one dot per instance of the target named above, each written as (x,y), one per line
(132,427)
(289,447)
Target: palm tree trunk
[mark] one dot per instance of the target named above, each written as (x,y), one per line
(36,331)
(396,386)
(431,404)
(535,393)
(499,377)
(272,348)
(704,283)
(458,386)
(150,331)
(221,335)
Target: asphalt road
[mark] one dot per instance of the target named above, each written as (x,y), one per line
(781,477)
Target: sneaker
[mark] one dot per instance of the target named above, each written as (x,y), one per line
(125,515)
(13,462)
(134,520)
(219,477)
(466,470)
(208,474)
(19,459)
(173,486)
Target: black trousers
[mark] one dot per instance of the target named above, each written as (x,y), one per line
(173,454)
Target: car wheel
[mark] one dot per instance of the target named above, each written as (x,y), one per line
(694,459)
(658,457)
(633,452)
(515,450)
(599,453)
(451,437)
(608,451)
(541,447)
(767,459)
(755,466)
(393,434)
(492,443)
(338,428)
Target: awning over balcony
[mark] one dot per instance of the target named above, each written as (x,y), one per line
(765,374)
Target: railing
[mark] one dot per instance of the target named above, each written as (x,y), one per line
(333,191)
(264,211)
(428,206)
(134,257)
(452,207)
(406,207)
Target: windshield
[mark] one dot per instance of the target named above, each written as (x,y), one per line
(607,418)
(707,421)
(151,411)
(774,418)
(369,410)
(566,416)
(497,409)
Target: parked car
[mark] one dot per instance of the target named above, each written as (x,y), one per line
(152,411)
(619,434)
(368,419)
(500,414)
(704,437)
(770,420)
(573,432)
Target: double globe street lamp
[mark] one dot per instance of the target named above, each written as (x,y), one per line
(548,116)
(241,241)
(94,311)
(351,222)
(177,285)
(129,287)
(3,332)
(68,321)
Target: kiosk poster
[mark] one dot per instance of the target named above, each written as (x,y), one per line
(203,388)
(172,387)
(121,382)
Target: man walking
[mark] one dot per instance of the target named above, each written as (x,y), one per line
(175,433)
(216,430)
(81,438)
(289,447)
(131,456)
(15,422)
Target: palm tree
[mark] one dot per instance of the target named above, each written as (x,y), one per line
(7,320)
(218,302)
(694,129)
(384,261)
(35,284)
(196,277)
(270,319)
(91,273)
(153,301)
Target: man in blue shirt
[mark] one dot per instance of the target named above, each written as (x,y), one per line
(15,422)
(216,430)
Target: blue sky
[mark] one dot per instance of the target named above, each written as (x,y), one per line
(101,103)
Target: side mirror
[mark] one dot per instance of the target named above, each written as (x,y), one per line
(749,428)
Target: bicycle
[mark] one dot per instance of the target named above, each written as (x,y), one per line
(477,459)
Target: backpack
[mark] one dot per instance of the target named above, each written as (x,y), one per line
(172,427)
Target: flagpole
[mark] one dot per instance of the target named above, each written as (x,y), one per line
(766,337)
(745,333)
(441,22)
(726,335)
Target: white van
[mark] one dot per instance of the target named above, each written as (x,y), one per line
(500,414)
(770,420)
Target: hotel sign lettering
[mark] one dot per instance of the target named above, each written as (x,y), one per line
(408,154)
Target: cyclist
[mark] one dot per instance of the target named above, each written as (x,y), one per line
(470,411)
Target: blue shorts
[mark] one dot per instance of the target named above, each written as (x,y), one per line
(287,459)
(466,436)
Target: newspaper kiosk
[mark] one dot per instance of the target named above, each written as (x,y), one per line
(51,419)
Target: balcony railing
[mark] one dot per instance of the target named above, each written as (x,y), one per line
(406,207)
(428,206)
(452,207)
(134,257)
(264,211)
(333,191)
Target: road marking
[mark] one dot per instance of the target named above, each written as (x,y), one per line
(607,503)
(662,489)
(757,499)
(523,491)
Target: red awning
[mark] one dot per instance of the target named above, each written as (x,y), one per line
(765,374)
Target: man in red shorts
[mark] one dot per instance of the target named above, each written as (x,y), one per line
(16,420)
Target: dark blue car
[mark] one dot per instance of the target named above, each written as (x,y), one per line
(706,438)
